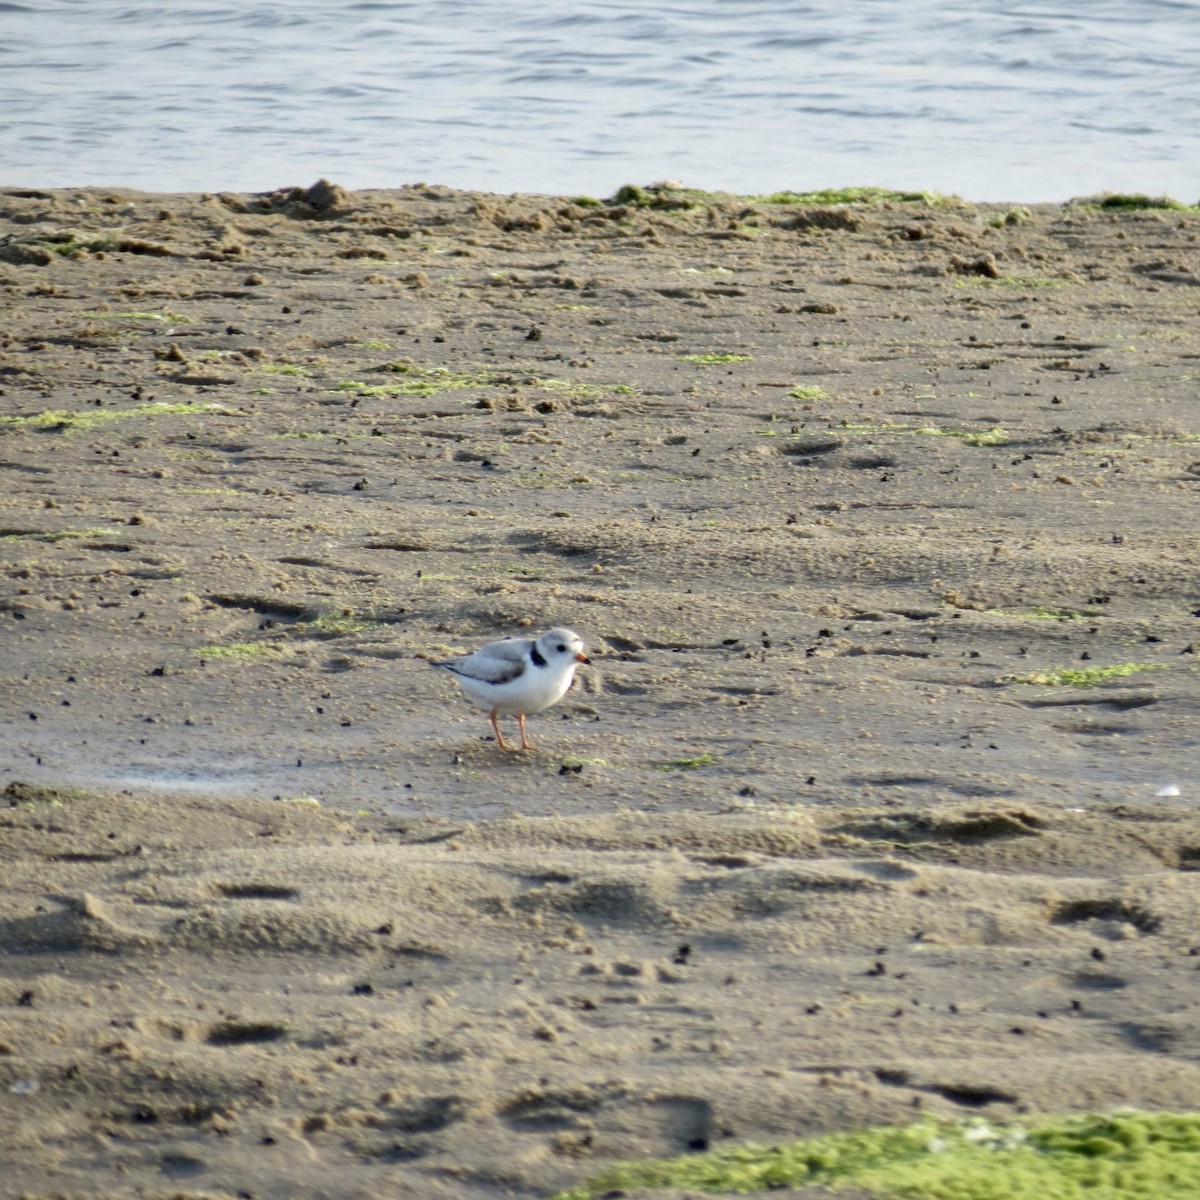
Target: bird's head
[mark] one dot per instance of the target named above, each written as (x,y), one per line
(562,645)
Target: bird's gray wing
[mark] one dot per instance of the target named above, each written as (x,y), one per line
(497,662)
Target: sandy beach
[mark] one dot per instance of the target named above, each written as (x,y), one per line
(877,800)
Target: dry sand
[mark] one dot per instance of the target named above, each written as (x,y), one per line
(797,853)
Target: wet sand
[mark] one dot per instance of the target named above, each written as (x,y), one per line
(818,486)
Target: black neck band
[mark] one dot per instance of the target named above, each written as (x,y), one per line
(536,655)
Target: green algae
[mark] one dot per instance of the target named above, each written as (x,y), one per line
(33,795)
(239,651)
(667,197)
(344,623)
(848,195)
(1128,1156)
(284,369)
(1087,676)
(67,242)
(694,763)
(1039,612)
(63,535)
(418,381)
(989,437)
(431,381)
(1017,215)
(676,197)
(67,420)
(970,437)
(1133,201)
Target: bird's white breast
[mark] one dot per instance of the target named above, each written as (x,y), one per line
(535,689)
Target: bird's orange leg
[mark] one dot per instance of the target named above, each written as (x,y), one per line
(525,743)
(499,736)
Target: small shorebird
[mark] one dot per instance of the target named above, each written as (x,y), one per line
(517,676)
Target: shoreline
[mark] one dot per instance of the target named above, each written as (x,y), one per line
(1149,199)
(286,179)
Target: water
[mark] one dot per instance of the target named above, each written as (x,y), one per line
(1040,100)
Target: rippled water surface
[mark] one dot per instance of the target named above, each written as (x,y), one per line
(990,100)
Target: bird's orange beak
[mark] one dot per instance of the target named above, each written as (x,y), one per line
(583,658)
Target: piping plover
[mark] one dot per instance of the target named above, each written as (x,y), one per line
(517,676)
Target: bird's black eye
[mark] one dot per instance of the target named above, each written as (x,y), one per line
(561,648)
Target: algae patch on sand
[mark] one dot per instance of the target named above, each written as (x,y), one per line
(694,763)
(238,651)
(1138,201)
(1130,1156)
(1086,676)
(66,420)
(850,195)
